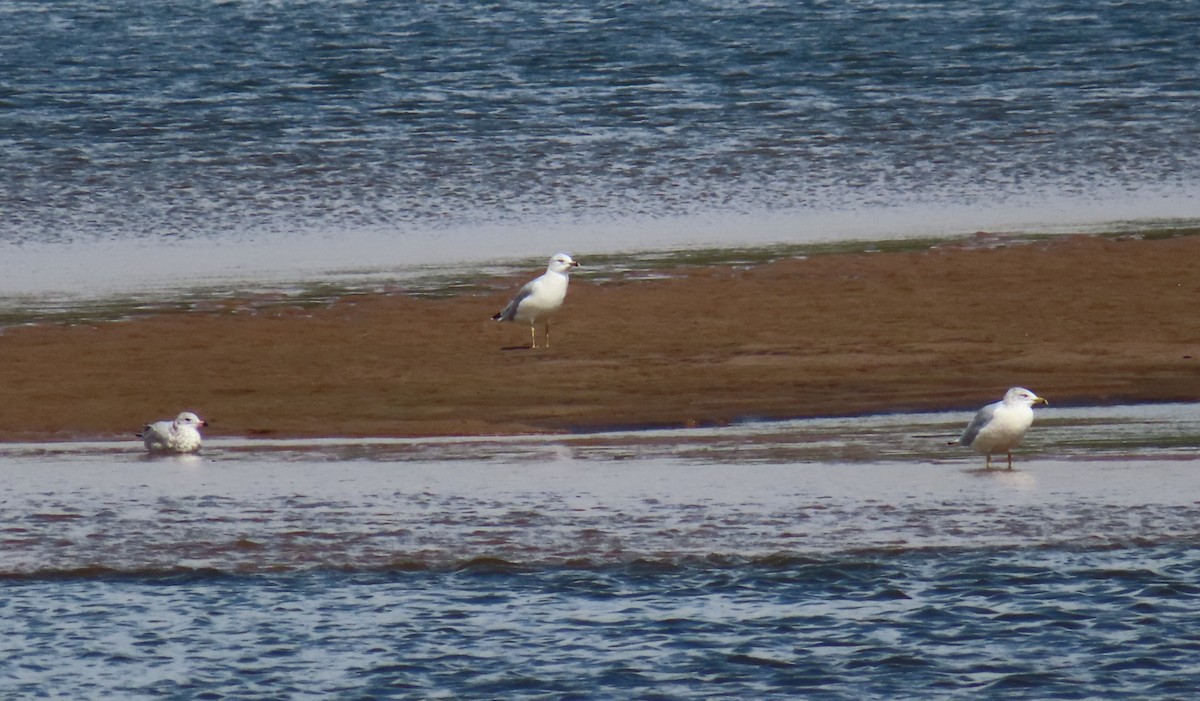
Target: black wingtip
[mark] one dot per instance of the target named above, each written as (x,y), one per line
(497,315)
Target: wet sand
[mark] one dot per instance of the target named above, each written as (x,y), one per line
(1081,320)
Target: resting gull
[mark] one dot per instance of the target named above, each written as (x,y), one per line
(541,297)
(1000,426)
(179,436)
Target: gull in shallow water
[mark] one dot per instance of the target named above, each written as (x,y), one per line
(541,297)
(179,436)
(1000,426)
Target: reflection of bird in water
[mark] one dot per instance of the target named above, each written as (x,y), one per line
(179,436)
(1000,426)
(541,297)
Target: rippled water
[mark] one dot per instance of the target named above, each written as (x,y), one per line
(193,143)
(141,142)
(838,558)
(1007,623)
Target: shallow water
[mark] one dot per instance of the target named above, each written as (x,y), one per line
(835,558)
(186,143)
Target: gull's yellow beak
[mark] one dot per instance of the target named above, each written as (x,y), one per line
(1041,400)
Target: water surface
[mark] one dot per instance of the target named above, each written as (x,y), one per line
(149,144)
(835,558)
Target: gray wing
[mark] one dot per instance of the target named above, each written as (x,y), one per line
(510,312)
(982,417)
(157,429)
(156,435)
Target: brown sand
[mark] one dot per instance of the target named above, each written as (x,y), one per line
(1079,320)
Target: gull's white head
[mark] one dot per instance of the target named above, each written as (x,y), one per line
(187,418)
(1020,395)
(561,263)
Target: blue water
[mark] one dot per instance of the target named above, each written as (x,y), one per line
(221,138)
(831,559)
(1005,624)
(181,143)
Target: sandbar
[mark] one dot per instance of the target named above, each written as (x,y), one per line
(1079,319)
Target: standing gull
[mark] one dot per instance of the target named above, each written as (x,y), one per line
(541,297)
(179,436)
(1000,426)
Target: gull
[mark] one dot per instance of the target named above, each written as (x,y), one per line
(179,436)
(541,297)
(1000,426)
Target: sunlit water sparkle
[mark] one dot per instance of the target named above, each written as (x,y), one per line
(178,143)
